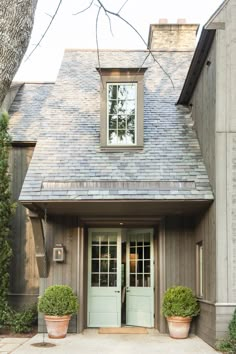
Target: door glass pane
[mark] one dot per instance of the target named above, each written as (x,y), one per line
(133,262)
(147,281)
(132,280)
(112,280)
(112,268)
(146,252)
(95,279)
(113,252)
(95,266)
(104,280)
(140,267)
(104,259)
(104,252)
(104,239)
(95,240)
(140,263)
(104,266)
(95,251)
(140,252)
(146,266)
(139,280)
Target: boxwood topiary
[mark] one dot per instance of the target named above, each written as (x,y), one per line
(58,300)
(180,301)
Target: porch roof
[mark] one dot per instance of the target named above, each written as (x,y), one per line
(68,164)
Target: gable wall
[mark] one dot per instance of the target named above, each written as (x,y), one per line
(214,112)
(226,167)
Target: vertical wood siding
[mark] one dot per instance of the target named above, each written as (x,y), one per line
(180,251)
(64,230)
(24,273)
(203,113)
(205,232)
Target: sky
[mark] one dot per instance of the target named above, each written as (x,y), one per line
(79,31)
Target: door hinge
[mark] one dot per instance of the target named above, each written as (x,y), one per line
(154,315)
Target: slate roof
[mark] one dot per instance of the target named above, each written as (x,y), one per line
(68,164)
(26,111)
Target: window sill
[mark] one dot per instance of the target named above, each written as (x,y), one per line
(117,148)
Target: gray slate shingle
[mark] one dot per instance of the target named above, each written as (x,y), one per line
(68,149)
(26,111)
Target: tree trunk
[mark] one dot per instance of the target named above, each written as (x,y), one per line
(16,24)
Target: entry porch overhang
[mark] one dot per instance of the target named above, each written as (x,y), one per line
(118,208)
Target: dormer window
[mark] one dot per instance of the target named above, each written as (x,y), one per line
(122,109)
(121,113)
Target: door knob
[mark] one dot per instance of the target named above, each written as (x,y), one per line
(117,291)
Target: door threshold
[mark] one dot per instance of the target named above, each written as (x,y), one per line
(122,330)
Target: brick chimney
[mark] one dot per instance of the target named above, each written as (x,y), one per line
(172,37)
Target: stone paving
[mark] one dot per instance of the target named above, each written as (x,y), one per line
(8,345)
(90,342)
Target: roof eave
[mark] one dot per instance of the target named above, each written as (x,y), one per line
(200,55)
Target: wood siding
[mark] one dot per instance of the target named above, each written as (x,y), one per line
(214,112)
(180,252)
(177,241)
(62,230)
(24,282)
(205,323)
(205,232)
(203,113)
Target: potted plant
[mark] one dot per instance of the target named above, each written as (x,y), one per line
(58,303)
(179,306)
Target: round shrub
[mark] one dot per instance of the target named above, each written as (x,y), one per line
(180,301)
(58,300)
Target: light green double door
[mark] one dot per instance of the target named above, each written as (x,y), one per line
(120,277)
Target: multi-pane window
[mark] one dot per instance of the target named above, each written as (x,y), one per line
(122,109)
(104,261)
(199,268)
(140,261)
(121,113)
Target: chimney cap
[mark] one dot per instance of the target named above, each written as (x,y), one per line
(181,21)
(163,20)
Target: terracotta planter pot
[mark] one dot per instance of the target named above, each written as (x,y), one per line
(179,326)
(57,326)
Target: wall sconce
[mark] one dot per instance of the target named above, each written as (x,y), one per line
(59,253)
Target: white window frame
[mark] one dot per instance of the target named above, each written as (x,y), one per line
(118,76)
(135,121)
(199,269)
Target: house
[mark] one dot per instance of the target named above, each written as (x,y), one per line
(127,192)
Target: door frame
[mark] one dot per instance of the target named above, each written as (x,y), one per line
(121,232)
(149,291)
(158,225)
(112,294)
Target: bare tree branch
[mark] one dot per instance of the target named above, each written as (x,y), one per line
(109,19)
(88,7)
(97,45)
(122,6)
(107,13)
(45,32)
(145,59)
(140,36)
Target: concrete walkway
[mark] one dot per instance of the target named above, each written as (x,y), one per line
(90,342)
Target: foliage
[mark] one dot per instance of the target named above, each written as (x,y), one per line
(22,321)
(6,211)
(229,344)
(180,301)
(58,300)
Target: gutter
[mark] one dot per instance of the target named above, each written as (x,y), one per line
(199,58)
